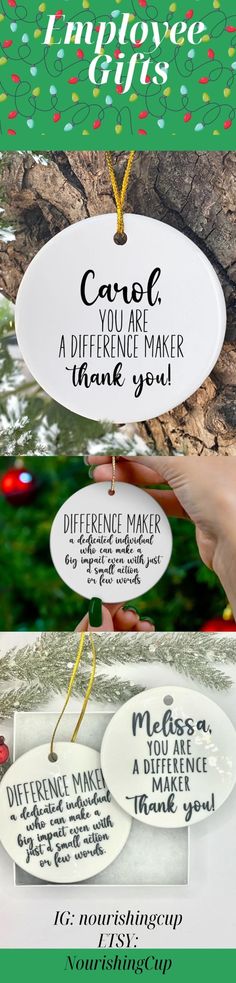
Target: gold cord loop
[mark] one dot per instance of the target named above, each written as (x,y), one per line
(120,196)
(52,756)
(112,489)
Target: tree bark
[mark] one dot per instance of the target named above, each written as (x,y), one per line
(195,193)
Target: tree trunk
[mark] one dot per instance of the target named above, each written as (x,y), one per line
(195,193)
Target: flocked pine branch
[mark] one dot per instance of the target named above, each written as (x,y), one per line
(42,668)
(31,697)
(215,647)
(24,698)
(52,652)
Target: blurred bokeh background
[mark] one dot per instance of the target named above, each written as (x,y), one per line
(32,596)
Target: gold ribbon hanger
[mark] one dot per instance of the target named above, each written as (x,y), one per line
(52,755)
(120,195)
(112,489)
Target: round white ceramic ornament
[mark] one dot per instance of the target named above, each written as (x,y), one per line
(115,547)
(57,819)
(120,333)
(169,757)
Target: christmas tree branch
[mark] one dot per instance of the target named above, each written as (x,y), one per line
(31,697)
(43,667)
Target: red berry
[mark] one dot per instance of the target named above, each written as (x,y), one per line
(187,117)
(56,117)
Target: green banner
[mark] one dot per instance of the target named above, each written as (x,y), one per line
(118,74)
(175,965)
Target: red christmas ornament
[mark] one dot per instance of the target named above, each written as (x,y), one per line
(18,486)
(219,624)
(4,751)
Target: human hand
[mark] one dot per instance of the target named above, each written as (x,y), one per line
(204,490)
(113,617)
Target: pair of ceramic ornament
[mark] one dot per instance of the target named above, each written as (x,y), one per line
(168,759)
